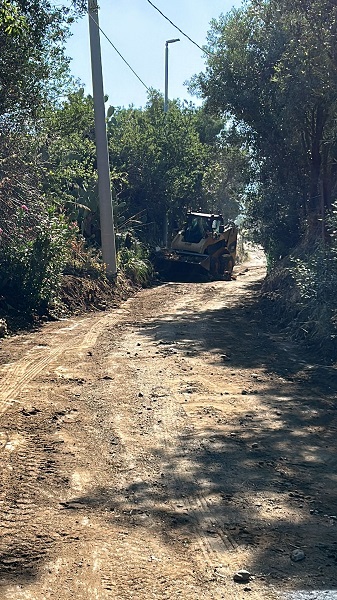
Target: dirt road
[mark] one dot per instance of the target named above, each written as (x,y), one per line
(152,451)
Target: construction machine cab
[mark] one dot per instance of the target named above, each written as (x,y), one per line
(199,226)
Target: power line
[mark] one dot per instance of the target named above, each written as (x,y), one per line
(119,54)
(176,27)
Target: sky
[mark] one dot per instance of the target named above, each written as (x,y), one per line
(139,33)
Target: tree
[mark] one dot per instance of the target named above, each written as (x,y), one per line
(227,177)
(273,69)
(163,160)
(12,22)
(67,146)
(34,237)
(32,56)
(174,162)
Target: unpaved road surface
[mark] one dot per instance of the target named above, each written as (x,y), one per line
(152,451)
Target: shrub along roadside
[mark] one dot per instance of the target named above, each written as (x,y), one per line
(135,264)
(300,296)
(32,259)
(48,271)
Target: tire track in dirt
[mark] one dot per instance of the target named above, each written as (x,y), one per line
(139,445)
(28,498)
(189,492)
(145,572)
(17,375)
(170,429)
(140,495)
(23,372)
(22,545)
(24,501)
(213,540)
(177,435)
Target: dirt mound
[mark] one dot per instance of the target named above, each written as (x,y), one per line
(81,294)
(78,295)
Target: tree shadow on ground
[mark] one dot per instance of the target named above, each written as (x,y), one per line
(263,482)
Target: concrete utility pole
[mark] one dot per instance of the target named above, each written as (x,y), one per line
(165,224)
(104,183)
(166,72)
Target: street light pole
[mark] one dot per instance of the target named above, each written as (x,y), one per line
(103,168)
(166,72)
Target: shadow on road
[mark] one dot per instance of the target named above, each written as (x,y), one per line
(259,481)
(262,480)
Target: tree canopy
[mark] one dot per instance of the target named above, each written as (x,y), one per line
(32,58)
(168,161)
(273,68)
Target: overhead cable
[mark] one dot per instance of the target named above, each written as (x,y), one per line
(176,27)
(119,54)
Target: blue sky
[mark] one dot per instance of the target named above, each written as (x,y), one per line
(139,32)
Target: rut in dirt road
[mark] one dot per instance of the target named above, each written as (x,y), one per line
(153,451)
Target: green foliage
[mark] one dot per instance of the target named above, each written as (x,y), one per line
(68,151)
(301,292)
(67,146)
(315,277)
(33,66)
(35,238)
(273,69)
(32,261)
(160,164)
(273,221)
(84,260)
(11,21)
(316,274)
(168,164)
(161,157)
(227,177)
(135,264)
(47,158)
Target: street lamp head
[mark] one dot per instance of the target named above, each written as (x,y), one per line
(166,71)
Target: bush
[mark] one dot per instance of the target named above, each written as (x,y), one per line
(316,280)
(32,257)
(134,262)
(302,291)
(85,260)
